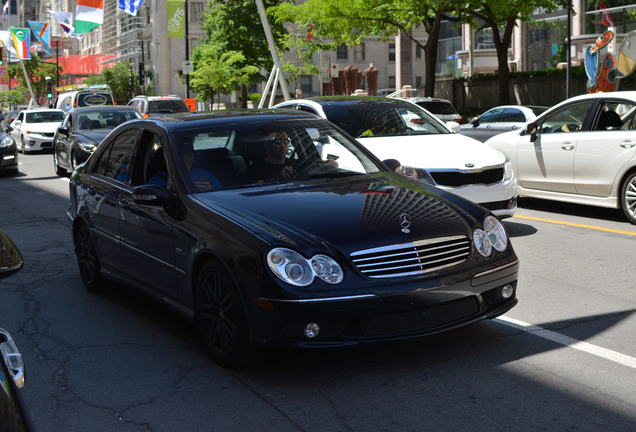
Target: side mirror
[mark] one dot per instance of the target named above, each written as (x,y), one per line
(475,122)
(453,125)
(10,257)
(9,129)
(153,195)
(62,130)
(531,130)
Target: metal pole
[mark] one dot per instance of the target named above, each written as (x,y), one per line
(261,103)
(187,50)
(28,82)
(57,65)
(568,45)
(273,95)
(272,47)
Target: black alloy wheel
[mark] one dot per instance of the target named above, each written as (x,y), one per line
(87,259)
(56,165)
(220,316)
(628,197)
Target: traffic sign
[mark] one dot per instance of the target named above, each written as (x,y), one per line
(188,67)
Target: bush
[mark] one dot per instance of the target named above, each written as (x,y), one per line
(254,97)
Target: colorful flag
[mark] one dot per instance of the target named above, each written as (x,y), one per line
(42,33)
(4,78)
(607,18)
(176,18)
(89,14)
(130,6)
(65,20)
(21,42)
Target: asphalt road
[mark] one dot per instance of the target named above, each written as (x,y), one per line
(563,360)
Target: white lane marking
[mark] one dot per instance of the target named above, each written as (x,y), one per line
(567,341)
(66,179)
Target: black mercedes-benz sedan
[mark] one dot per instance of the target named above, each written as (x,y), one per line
(8,155)
(81,132)
(277,228)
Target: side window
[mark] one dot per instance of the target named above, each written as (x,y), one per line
(20,117)
(491,116)
(117,163)
(512,115)
(616,116)
(150,166)
(568,119)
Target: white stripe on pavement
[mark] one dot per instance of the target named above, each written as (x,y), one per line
(576,344)
(66,179)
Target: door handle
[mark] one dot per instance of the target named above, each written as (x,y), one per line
(627,144)
(567,146)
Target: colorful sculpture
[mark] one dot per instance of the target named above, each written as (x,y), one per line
(600,65)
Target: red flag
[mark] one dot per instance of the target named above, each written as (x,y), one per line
(310,33)
(607,19)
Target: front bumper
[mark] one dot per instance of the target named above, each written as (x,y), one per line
(9,158)
(372,317)
(500,198)
(37,142)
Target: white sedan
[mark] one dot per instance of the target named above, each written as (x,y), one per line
(506,117)
(34,129)
(583,151)
(396,129)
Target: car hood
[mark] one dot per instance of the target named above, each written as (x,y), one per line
(439,151)
(96,136)
(345,214)
(42,127)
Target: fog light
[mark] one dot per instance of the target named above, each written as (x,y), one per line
(312,330)
(507,291)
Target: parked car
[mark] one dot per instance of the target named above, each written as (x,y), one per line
(443,109)
(583,150)
(385,92)
(396,129)
(152,106)
(34,129)
(241,221)
(89,96)
(13,415)
(8,154)
(82,131)
(9,116)
(506,117)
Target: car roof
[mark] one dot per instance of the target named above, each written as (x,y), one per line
(102,108)
(328,100)
(188,120)
(42,110)
(416,99)
(151,98)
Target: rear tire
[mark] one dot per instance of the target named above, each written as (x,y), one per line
(220,317)
(628,197)
(87,259)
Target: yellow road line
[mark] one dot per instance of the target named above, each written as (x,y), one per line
(592,227)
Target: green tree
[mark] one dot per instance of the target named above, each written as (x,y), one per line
(13,97)
(217,71)
(37,71)
(118,79)
(337,22)
(234,25)
(502,17)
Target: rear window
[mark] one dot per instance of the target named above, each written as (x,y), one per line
(437,107)
(105,119)
(539,110)
(44,117)
(94,98)
(167,106)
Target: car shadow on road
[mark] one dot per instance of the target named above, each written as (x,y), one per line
(557,207)
(518,229)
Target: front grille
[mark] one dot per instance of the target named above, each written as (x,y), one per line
(47,134)
(46,144)
(407,259)
(457,179)
(430,318)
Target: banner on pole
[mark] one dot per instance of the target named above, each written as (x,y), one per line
(4,77)
(21,42)
(42,33)
(176,18)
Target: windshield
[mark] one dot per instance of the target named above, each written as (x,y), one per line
(373,119)
(44,117)
(168,106)
(267,152)
(104,119)
(94,98)
(437,107)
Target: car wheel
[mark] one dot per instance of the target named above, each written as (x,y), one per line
(220,316)
(87,259)
(58,170)
(628,197)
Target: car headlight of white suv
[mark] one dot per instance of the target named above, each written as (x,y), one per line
(493,236)
(508,172)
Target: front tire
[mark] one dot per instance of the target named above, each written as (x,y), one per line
(628,197)
(220,316)
(87,259)
(56,165)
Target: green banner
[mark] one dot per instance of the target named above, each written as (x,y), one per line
(176,18)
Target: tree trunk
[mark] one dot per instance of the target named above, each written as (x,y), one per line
(243,96)
(501,45)
(430,56)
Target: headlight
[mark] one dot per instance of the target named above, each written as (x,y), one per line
(294,269)
(496,233)
(508,173)
(492,236)
(418,174)
(6,142)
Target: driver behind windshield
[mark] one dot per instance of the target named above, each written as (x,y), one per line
(275,165)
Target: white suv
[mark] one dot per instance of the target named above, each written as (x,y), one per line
(397,129)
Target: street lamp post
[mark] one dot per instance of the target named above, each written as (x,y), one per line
(568,49)
(187,49)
